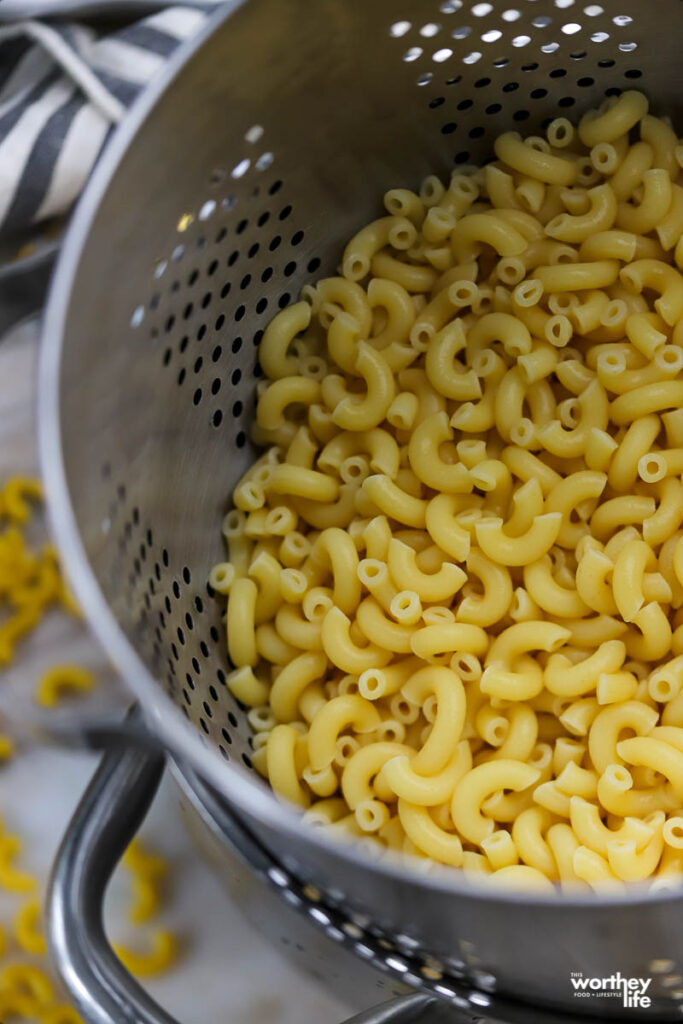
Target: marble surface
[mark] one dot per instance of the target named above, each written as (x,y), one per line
(228,970)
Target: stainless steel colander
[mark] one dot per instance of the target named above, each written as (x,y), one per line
(234,182)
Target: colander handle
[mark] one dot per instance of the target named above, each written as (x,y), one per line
(106,819)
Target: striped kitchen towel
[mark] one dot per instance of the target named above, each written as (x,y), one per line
(63,87)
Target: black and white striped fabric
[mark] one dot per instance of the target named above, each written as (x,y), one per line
(63,87)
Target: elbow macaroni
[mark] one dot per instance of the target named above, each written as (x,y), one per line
(466,536)
(30,582)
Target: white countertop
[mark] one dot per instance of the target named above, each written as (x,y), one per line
(228,970)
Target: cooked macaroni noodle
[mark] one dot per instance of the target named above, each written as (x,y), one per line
(455,580)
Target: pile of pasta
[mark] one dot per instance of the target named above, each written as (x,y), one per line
(30,583)
(455,577)
(27,991)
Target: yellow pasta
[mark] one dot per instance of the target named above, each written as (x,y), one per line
(159,958)
(29,582)
(653,206)
(27,929)
(610,124)
(396,231)
(62,679)
(455,587)
(60,1014)
(12,878)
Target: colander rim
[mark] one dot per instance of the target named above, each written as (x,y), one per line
(162,715)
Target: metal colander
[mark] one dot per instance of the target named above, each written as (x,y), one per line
(236,180)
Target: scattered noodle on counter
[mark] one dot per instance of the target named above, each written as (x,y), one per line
(26,992)
(15,496)
(60,680)
(148,873)
(161,956)
(30,582)
(27,929)
(61,1014)
(12,878)
(455,578)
